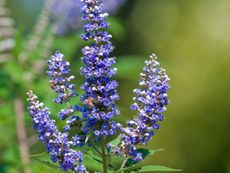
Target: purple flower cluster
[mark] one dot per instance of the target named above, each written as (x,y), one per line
(60,82)
(57,143)
(98,107)
(58,73)
(100,91)
(150,102)
(67,14)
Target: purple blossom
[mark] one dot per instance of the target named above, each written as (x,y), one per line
(67,14)
(100,91)
(59,81)
(150,102)
(57,143)
(78,140)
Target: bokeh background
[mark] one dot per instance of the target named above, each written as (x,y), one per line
(192,41)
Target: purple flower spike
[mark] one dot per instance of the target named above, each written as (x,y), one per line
(59,81)
(150,102)
(57,143)
(100,91)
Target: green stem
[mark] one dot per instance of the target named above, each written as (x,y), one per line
(103,155)
(123,164)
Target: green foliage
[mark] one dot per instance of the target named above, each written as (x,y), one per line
(14,71)
(116,141)
(117,29)
(150,168)
(120,164)
(94,163)
(47,163)
(145,153)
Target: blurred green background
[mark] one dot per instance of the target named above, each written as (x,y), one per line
(192,41)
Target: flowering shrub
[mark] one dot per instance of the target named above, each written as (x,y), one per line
(93,120)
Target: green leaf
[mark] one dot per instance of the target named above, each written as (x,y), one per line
(91,164)
(116,162)
(93,156)
(152,152)
(116,141)
(37,155)
(46,163)
(150,168)
(145,153)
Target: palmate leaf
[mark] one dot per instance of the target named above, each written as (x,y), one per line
(150,168)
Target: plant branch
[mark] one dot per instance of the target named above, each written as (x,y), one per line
(21,133)
(123,164)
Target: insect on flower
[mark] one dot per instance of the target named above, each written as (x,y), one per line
(52,84)
(89,102)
